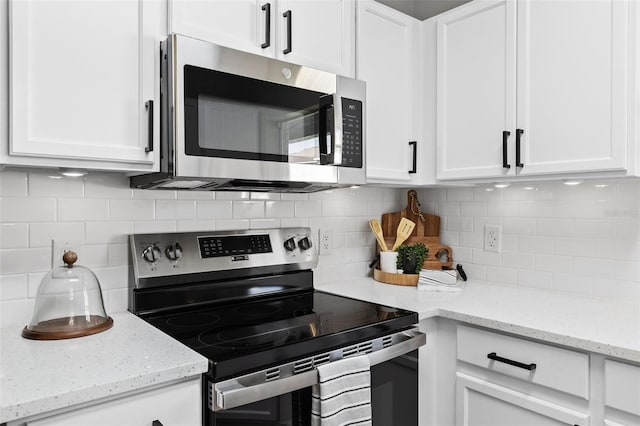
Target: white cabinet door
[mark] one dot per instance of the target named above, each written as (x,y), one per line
(572,85)
(482,403)
(240,24)
(75,81)
(385,55)
(178,404)
(322,34)
(476,85)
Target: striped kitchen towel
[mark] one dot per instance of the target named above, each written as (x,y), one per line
(343,394)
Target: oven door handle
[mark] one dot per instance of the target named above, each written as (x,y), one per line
(233,393)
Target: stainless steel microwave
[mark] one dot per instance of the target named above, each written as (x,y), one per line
(231,120)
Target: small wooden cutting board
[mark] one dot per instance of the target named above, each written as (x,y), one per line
(430,227)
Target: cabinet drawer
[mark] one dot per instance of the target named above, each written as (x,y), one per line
(622,386)
(556,368)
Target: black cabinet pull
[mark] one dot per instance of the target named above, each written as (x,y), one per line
(505,136)
(495,357)
(156,423)
(149,107)
(267,25)
(287,16)
(519,133)
(414,145)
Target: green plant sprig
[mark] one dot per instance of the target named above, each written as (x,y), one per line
(406,252)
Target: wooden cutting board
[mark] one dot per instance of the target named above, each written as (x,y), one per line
(430,227)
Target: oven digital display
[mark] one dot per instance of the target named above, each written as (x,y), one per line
(234,245)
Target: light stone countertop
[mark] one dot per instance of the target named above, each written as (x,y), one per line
(597,325)
(41,376)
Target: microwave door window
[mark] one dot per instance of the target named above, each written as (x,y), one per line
(230,116)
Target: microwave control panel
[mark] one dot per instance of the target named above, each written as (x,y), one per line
(351,133)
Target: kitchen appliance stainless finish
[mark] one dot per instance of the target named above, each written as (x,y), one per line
(231,120)
(245,300)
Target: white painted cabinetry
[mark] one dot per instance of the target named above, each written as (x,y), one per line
(487,396)
(317,33)
(80,77)
(568,109)
(387,59)
(621,394)
(178,404)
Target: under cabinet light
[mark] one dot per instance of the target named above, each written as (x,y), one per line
(502,185)
(73,172)
(572,182)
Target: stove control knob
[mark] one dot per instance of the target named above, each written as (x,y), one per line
(305,243)
(290,244)
(173,251)
(152,253)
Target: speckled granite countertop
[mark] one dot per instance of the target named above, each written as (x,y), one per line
(40,376)
(594,324)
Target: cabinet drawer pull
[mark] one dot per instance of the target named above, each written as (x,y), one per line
(495,357)
(519,133)
(267,25)
(505,136)
(287,16)
(414,145)
(149,107)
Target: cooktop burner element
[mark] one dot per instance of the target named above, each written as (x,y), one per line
(248,310)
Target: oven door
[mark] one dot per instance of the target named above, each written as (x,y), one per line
(244,116)
(394,391)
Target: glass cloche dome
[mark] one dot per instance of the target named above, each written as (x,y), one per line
(68,304)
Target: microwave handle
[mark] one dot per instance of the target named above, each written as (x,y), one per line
(333,155)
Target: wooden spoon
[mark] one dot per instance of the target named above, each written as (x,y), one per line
(377,230)
(404,231)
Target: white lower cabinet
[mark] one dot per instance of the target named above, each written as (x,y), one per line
(177,404)
(479,402)
(621,394)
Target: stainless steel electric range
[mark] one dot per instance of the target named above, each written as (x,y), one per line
(245,300)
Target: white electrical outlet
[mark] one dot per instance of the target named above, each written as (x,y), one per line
(325,242)
(60,247)
(492,237)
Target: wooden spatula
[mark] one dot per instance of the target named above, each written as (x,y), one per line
(377,230)
(404,231)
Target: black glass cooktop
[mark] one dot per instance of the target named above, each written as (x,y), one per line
(242,337)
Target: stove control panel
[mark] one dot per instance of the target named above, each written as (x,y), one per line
(171,254)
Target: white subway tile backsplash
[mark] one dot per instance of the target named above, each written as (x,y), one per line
(42,184)
(145,194)
(22,261)
(535,244)
(537,209)
(509,242)
(460,194)
(175,209)
(448,208)
(195,225)
(118,254)
(502,275)
(278,209)
(473,208)
(294,197)
(450,238)
(82,209)
(485,257)
(195,195)
(214,209)
(594,228)
(472,239)
(574,247)
(553,263)
(536,279)
(503,208)
(294,222)
(107,232)
(41,234)
(310,208)
(462,254)
(230,224)
(513,259)
(519,225)
(248,209)
(14,184)
(13,287)
(627,271)
(458,224)
(234,196)
(625,229)
(27,209)
(94,256)
(16,312)
(34,280)
(154,226)
(264,223)
(107,185)
(573,283)
(14,235)
(555,227)
(131,209)
(116,300)
(265,196)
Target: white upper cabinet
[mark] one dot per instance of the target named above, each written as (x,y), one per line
(476,89)
(80,74)
(572,85)
(387,61)
(314,33)
(568,111)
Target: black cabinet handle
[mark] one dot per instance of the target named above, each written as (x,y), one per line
(495,357)
(267,25)
(287,16)
(156,423)
(414,145)
(149,107)
(519,133)
(505,136)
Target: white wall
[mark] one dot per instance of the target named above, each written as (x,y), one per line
(99,210)
(583,239)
